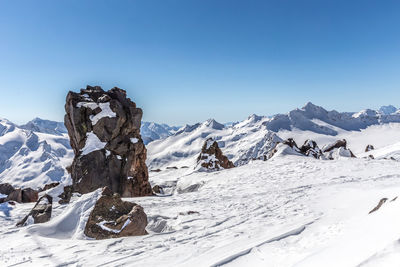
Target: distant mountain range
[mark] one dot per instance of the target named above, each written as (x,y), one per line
(254,137)
(37,152)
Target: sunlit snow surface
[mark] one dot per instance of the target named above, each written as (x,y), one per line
(288,211)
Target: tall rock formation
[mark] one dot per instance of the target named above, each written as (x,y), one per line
(104,131)
(211,157)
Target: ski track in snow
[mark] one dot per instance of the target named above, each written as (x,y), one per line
(272,213)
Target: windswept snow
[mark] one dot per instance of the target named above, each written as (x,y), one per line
(288,211)
(70,224)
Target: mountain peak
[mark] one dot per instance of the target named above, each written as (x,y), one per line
(387,110)
(310,106)
(213,124)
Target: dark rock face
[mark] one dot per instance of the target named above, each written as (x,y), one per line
(111,217)
(369,148)
(66,195)
(104,131)
(23,195)
(41,212)
(211,157)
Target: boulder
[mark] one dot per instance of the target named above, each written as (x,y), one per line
(6,189)
(212,158)
(29,195)
(23,195)
(369,148)
(158,189)
(104,132)
(111,217)
(40,213)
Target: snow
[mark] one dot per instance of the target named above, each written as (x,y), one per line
(33,159)
(151,131)
(134,140)
(70,224)
(257,136)
(390,151)
(105,112)
(288,211)
(29,221)
(104,227)
(93,143)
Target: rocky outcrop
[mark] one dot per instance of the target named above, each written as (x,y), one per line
(211,157)
(369,148)
(104,131)
(381,202)
(311,149)
(290,142)
(111,217)
(337,149)
(40,213)
(25,195)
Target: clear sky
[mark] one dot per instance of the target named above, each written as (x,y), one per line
(187,61)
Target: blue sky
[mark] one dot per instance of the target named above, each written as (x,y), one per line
(186,61)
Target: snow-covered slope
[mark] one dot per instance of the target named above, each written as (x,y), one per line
(32,159)
(386,152)
(289,211)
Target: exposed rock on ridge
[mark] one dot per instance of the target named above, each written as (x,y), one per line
(211,157)
(104,131)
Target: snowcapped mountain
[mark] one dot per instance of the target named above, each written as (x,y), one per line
(387,110)
(45,126)
(275,213)
(240,143)
(151,131)
(309,118)
(255,137)
(37,153)
(33,159)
